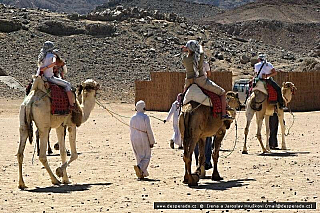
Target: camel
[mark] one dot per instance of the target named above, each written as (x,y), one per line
(196,123)
(36,107)
(262,109)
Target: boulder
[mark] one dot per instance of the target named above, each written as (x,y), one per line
(7,26)
(60,28)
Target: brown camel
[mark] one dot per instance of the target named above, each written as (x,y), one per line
(258,104)
(196,123)
(36,107)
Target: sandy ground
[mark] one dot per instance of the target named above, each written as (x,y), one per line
(103,178)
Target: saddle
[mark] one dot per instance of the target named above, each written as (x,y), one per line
(272,94)
(59,100)
(204,97)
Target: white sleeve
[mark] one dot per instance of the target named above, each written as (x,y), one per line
(149,131)
(172,109)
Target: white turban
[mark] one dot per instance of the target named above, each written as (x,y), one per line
(140,105)
(196,48)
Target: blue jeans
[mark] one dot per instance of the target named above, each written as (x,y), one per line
(208,151)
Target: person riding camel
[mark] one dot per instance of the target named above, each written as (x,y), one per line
(265,71)
(193,63)
(47,60)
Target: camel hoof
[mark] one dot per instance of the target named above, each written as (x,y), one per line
(283,148)
(59,172)
(193,184)
(195,178)
(216,177)
(244,152)
(56,182)
(22,186)
(50,152)
(66,182)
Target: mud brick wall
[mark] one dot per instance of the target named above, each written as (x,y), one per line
(307,97)
(162,90)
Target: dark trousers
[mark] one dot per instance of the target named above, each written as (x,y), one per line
(278,89)
(208,151)
(273,123)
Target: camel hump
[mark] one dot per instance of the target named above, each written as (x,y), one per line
(194,93)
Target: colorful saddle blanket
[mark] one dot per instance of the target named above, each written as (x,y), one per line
(215,100)
(59,100)
(272,94)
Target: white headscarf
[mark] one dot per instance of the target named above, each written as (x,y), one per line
(196,48)
(140,106)
(48,46)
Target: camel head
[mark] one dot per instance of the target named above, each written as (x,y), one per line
(233,99)
(87,88)
(288,89)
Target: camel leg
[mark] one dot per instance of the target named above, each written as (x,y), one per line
(22,145)
(267,118)
(249,115)
(188,146)
(38,146)
(215,155)
(201,169)
(282,125)
(43,133)
(62,172)
(74,155)
(259,127)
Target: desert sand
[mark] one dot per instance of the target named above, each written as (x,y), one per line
(103,179)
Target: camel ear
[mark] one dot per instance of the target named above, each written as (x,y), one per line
(283,84)
(97,86)
(79,88)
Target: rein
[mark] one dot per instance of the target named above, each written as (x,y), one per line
(236,138)
(113,115)
(293,118)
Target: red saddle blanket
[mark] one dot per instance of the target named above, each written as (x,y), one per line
(59,100)
(272,94)
(215,100)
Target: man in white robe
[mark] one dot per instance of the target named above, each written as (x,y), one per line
(175,111)
(142,139)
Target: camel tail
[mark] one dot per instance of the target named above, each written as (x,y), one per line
(26,123)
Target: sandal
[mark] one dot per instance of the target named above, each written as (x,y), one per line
(226,117)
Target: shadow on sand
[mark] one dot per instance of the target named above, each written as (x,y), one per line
(149,180)
(67,188)
(283,154)
(222,185)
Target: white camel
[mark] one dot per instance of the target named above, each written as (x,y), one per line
(262,109)
(36,107)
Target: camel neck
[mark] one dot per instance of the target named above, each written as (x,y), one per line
(87,106)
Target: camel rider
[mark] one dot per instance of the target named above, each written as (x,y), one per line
(193,62)
(47,59)
(266,73)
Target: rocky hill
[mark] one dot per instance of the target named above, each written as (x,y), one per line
(223,4)
(118,46)
(188,9)
(293,25)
